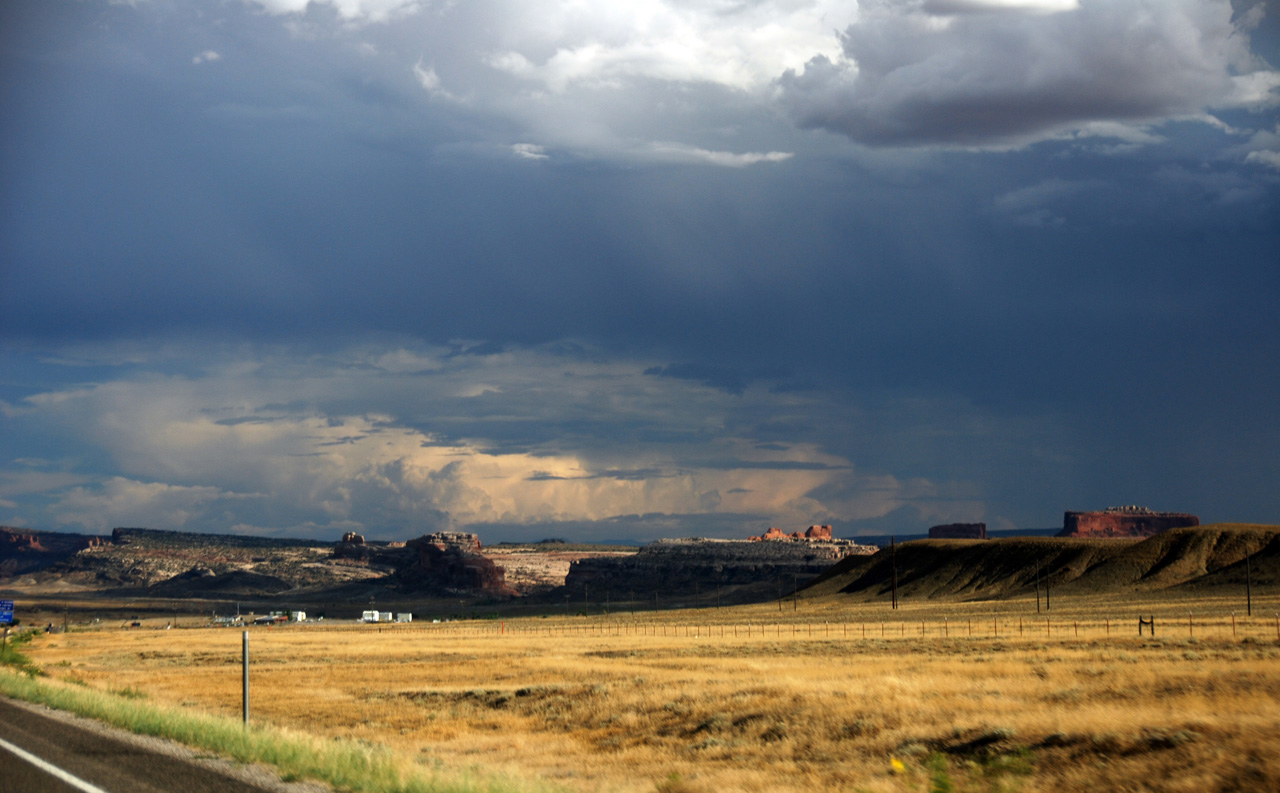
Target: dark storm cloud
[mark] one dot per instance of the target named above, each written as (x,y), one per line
(299,249)
(937,73)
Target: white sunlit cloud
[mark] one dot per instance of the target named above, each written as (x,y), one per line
(350,10)
(1263,149)
(208,56)
(125,502)
(529,151)
(738,45)
(430,82)
(678,152)
(1268,158)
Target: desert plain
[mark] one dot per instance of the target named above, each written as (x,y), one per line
(811,693)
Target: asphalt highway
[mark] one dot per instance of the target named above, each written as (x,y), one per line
(95,760)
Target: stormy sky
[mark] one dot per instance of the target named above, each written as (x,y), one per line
(636,269)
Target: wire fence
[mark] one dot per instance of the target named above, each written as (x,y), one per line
(1229,626)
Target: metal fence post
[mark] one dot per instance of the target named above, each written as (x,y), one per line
(245,667)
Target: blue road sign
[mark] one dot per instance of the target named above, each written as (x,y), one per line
(6,611)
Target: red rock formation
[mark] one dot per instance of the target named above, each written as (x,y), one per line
(24,550)
(959,531)
(452,560)
(1123,522)
(352,546)
(811,533)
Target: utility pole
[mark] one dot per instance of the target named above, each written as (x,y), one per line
(795,592)
(893,561)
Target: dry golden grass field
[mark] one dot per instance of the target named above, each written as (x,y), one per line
(821,695)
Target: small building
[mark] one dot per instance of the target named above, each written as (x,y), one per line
(298,616)
(404,616)
(384,616)
(369,616)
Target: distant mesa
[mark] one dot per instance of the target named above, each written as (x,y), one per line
(1126,521)
(752,568)
(959,531)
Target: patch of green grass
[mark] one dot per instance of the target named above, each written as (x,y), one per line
(998,768)
(345,765)
(939,778)
(12,657)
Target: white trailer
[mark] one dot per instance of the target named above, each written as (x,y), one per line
(369,616)
(298,616)
(404,617)
(384,616)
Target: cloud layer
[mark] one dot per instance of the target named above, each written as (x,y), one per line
(508,440)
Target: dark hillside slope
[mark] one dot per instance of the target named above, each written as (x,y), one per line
(967,569)
(986,569)
(1184,557)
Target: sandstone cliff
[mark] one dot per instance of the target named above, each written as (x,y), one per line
(25,551)
(1131,521)
(688,566)
(959,531)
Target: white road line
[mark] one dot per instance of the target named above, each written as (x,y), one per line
(51,769)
